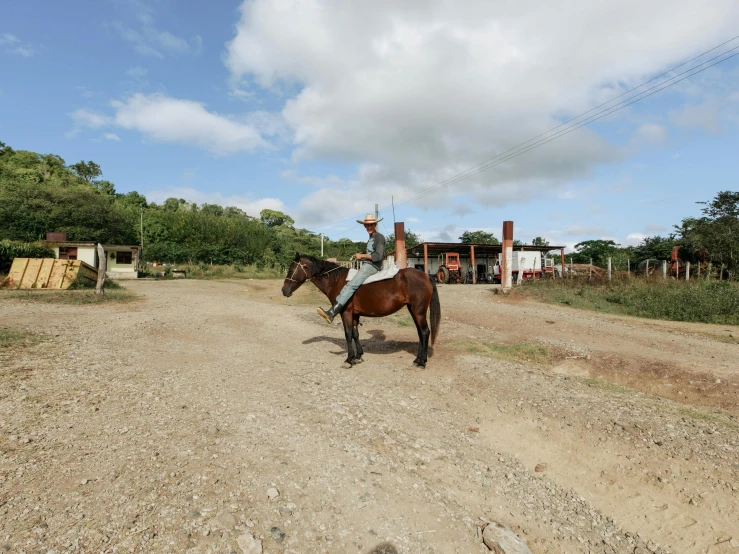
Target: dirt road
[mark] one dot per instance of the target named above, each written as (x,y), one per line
(215,417)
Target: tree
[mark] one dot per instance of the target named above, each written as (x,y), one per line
(716,233)
(411,240)
(478,237)
(657,248)
(273,218)
(211,209)
(540,241)
(89,171)
(597,250)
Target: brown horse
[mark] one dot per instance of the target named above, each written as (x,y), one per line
(410,287)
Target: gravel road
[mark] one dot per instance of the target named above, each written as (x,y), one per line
(213,416)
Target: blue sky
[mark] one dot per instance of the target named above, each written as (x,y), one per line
(322,109)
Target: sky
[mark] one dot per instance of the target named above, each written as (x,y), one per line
(322,109)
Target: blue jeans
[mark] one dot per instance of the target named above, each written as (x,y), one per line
(365,270)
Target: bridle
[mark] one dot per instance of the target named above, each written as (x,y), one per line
(302,266)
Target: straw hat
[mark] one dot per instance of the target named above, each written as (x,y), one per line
(369,219)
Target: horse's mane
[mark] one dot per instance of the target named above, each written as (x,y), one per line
(318,266)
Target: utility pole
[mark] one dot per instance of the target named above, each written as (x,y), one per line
(142,232)
(321,245)
(377,211)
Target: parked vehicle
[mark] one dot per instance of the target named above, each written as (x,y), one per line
(450,271)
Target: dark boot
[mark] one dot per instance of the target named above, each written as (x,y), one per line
(332,312)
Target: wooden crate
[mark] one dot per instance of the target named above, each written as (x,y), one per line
(48,273)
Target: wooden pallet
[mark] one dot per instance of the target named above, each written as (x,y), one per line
(48,273)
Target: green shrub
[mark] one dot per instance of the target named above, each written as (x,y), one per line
(11,249)
(698,301)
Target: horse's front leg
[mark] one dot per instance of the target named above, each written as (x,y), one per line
(355,335)
(346,319)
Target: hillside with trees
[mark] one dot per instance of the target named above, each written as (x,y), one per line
(41,193)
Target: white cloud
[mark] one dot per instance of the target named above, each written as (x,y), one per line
(582,230)
(136,73)
(651,132)
(148,40)
(252,206)
(87,119)
(654,228)
(634,239)
(705,116)
(166,119)
(414,92)
(14,45)
(111,136)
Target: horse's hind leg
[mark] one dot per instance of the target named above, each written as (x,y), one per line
(423,336)
(355,335)
(346,318)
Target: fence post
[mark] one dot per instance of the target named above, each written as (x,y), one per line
(699,270)
(664,269)
(687,271)
(708,272)
(646,270)
(721,274)
(570,268)
(628,267)
(609,268)
(102,268)
(591,269)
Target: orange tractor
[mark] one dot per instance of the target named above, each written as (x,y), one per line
(450,271)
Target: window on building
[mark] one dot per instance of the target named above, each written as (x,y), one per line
(67,252)
(124,257)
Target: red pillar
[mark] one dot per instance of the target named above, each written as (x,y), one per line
(401,258)
(506,265)
(426,258)
(562,259)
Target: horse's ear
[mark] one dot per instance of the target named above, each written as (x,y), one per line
(297,256)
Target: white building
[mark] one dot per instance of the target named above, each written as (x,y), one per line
(122,260)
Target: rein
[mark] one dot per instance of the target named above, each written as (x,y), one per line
(298,264)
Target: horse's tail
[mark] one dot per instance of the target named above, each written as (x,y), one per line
(435,312)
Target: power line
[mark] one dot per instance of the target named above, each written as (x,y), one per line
(541,139)
(603,113)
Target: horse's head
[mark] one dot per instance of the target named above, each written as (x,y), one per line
(297,274)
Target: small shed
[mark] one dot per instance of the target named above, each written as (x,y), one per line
(122,259)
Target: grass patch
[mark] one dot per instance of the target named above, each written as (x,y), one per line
(80,296)
(10,338)
(603,385)
(694,413)
(206,271)
(519,352)
(403,320)
(693,301)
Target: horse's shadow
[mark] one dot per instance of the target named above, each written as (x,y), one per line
(374,344)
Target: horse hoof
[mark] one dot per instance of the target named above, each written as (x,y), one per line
(346,365)
(358,360)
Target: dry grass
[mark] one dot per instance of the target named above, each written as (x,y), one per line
(81,296)
(205,271)
(519,352)
(695,301)
(12,338)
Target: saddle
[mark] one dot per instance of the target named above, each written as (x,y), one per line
(388,271)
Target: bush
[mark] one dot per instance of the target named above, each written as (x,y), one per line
(698,301)
(11,249)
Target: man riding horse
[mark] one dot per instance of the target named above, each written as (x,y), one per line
(371,264)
